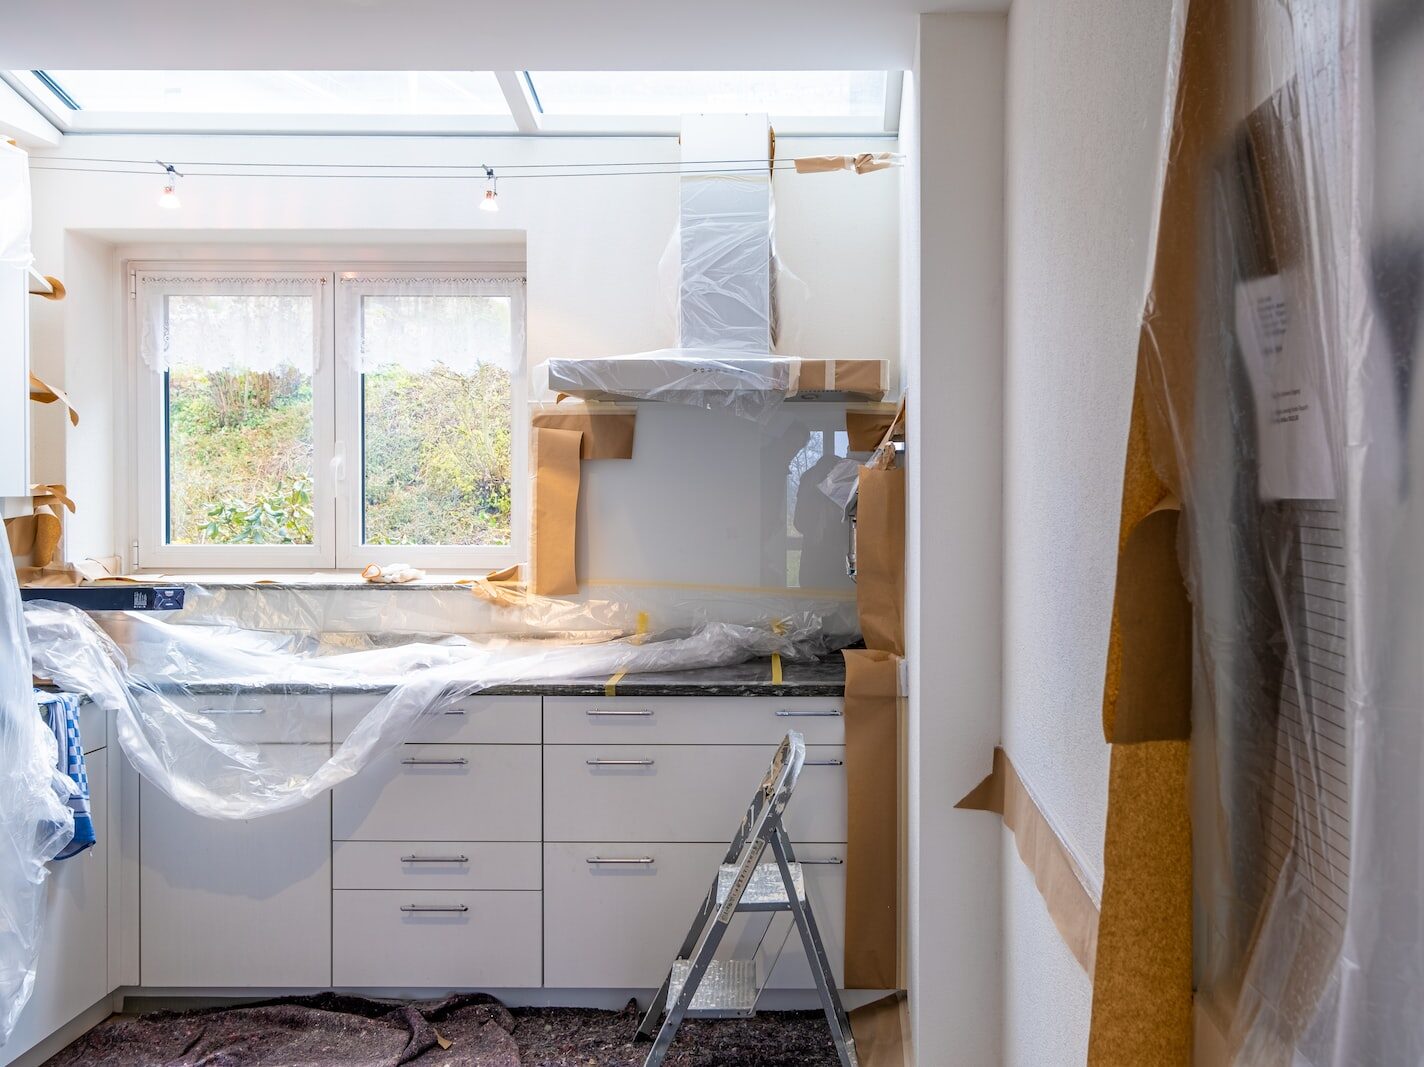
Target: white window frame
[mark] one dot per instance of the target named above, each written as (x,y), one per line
(336,426)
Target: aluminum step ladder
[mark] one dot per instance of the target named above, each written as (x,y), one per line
(700,986)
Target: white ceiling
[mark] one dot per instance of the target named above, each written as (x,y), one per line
(468,34)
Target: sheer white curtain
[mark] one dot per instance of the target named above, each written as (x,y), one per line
(219,321)
(421,321)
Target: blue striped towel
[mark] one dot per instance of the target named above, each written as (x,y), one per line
(63,715)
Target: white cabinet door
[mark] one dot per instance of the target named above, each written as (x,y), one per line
(234,903)
(72,973)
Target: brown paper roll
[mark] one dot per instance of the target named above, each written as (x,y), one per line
(555,489)
(880,558)
(606,434)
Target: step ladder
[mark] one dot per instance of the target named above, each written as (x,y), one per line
(700,986)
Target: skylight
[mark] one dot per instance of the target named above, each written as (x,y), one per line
(809,94)
(306,92)
(457,102)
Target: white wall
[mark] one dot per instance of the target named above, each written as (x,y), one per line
(1085,88)
(954,550)
(697,503)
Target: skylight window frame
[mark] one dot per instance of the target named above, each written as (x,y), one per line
(523,117)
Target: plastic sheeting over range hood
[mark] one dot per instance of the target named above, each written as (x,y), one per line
(726,295)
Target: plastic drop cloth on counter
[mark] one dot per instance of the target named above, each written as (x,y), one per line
(1280,365)
(35,819)
(196,754)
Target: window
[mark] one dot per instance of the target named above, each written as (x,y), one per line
(329,418)
(813,93)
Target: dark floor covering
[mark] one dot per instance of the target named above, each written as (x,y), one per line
(472,1030)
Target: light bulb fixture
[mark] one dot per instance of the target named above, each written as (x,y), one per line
(491,199)
(169,197)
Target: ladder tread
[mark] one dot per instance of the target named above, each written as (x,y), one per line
(765,891)
(728,988)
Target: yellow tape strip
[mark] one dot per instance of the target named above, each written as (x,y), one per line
(777,627)
(610,687)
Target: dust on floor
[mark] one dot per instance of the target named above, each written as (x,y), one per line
(472,1030)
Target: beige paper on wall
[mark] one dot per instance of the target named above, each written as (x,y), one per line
(553,533)
(880,558)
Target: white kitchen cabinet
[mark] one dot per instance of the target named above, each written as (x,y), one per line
(234,903)
(72,972)
(14,385)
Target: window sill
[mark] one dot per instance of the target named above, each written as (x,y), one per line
(323,580)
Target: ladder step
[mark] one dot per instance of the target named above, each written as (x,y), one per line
(728,989)
(765,891)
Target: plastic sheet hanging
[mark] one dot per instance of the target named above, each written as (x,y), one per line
(165,683)
(35,819)
(1281,346)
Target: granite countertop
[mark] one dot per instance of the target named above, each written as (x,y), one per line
(821,678)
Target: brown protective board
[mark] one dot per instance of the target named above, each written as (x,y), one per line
(880,558)
(1154,626)
(606,434)
(1142,986)
(1060,880)
(873,837)
(554,529)
(856,377)
(882,1032)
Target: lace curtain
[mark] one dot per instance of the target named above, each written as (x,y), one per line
(419,322)
(231,322)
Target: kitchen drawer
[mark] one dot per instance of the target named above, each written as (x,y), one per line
(264,717)
(415,865)
(682,792)
(619,925)
(483,940)
(691,720)
(473,720)
(442,793)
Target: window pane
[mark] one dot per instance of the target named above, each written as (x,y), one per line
(437,407)
(299,92)
(804,94)
(239,411)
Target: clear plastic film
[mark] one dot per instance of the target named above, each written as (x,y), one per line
(1281,343)
(35,819)
(166,683)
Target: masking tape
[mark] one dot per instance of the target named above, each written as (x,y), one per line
(610,687)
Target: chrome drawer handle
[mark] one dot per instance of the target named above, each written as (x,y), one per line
(435,907)
(233,711)
(456,711)
(825,763)
(639,860)
(435,859)
(833,860)
(418,761)
(619,714)
(809,714)
(619,762)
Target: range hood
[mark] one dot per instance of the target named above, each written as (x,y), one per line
(726,295)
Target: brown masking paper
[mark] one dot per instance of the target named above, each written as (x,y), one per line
(872,689)
(555,490)
(1142,985)
(42,393)
(606,434)
(866,429)
(1153,699)
(864,378)
(1060,880)
(882,1032)
(880,558)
